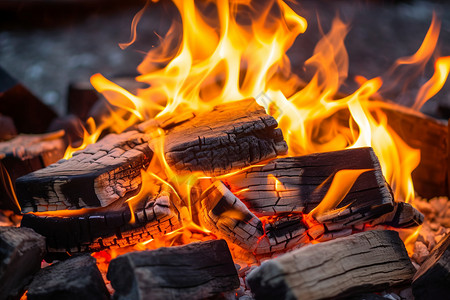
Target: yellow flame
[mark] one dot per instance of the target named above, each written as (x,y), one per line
(342,183)
(435,84)
(237,49)
(88,138)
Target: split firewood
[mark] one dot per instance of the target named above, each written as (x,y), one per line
(226,216)
(229,137)
(24,154)
(404,215)
(298,184)
(75,278)
(29,114)
(429,135)
(97,176)
(432,279)
(360,263)
(194,271)
(106,227)
(21,253)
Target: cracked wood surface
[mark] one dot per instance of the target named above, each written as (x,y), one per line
(96,176)
(194,271)
(227,217)
(231,136)
(21,253)
(298,184)
(107,227)
(363,262)
(25,154)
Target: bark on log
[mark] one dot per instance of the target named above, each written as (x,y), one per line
(75,278)
(24,154)
(97,176)
(432,279)
(299,185)
(106,227)
(22,106)
(361,263)
(229,137)
(21,253)
(227,217)
(194,271)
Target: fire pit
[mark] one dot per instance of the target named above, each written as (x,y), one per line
(219,173)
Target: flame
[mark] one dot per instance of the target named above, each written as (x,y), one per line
(233,50)
(88,138)
(435,84)
(134,23)
(342,182)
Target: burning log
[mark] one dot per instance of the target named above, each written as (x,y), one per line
(363,262)
(404,215)
(194,271)
(107,227)
(96,176)
(229,137)
(21,105)
(432,279)
(21,251)
(430,136)
(227,217)
(75,278)
(24,154)
(298,184)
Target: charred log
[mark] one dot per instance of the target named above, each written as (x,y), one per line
(107,227)
(298,184)
(227,217)
(94,177)
(432,279)
(361,263)
(75,278)
(229,137)
(21,253)
(24,154)
(404,215)
(194,271)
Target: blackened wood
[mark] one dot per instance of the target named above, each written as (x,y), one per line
(194,271)
(94,177)
(21,253)
(229,137)
(363,262)
(404,215)
(24,154)
(227,217)
(30,115)
(7,128)
(432,280)
(75,278)
(73,129)
(299,185)
(107,227)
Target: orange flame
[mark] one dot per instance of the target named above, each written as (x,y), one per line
(342,182)
(88,138)
(220,58)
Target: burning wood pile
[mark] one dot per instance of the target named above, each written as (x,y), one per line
(230,177)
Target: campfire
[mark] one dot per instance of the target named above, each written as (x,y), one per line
(226,175)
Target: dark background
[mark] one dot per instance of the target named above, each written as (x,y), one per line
(48,44)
